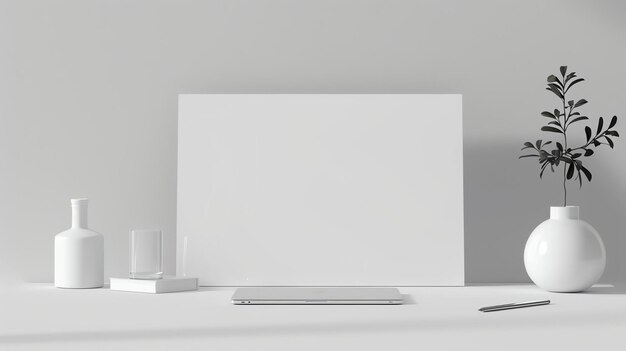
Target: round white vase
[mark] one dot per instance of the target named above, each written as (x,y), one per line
(564,253)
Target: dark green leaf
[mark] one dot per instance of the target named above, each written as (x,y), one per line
(612,133)
(613,122)
(553,79)
(608,140)
(555,87)
(588,133)
(570,171)
(580,102)
(570,103)
(528,156)
(551,129)
(529,144)
(543,168)
(580,179)
(547,143)
(563,70)
(556,92)
(581,118)
(600,123)
(596,143)
(588,152)
(576,155)
(559,146)
(586,172)
(538,143)
(556,123)
(548,114)
(574,114)
(569,76)
(557,113)
(574,82)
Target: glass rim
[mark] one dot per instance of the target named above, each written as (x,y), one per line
(138,231)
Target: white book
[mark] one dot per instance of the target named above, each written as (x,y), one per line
(155,286)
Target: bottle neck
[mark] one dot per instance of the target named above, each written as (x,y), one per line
(567,212)
(79,215)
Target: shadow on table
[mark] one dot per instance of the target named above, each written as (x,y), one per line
(606,290)
(599,289)
(424,324)
(408,299)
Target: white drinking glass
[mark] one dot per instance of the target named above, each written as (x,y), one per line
(146,254)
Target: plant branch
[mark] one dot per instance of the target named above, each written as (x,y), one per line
(565,118)
(571,158)
(564,185)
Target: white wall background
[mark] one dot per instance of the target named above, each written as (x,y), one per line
(88,93)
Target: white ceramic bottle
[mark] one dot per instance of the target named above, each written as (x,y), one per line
(79,253)
(564,253)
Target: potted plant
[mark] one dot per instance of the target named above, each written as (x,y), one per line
(564,253)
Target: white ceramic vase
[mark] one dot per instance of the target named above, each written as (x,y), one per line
(564,253)
(79,253)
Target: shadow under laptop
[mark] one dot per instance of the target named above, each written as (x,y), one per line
(408,300)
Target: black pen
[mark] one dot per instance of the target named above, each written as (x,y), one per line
(509,306)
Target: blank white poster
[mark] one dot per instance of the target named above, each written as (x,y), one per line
(320,190)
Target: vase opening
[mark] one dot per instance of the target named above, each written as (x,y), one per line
(567,212)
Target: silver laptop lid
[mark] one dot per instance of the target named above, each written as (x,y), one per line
(316,296)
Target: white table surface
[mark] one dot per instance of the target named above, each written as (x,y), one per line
(39,316)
